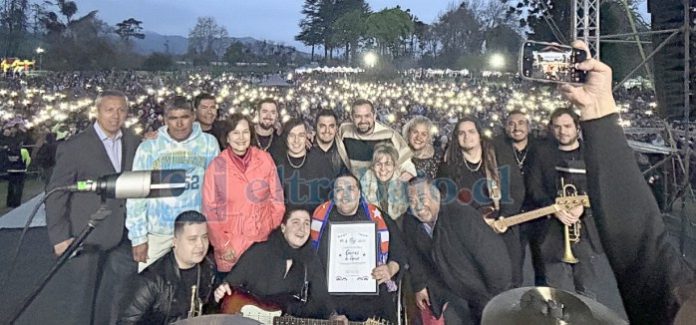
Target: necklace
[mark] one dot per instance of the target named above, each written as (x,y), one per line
(304,158)
(520,161)
(267,146)
(473,170)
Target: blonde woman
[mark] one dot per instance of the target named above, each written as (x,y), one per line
(418,134)
(381,184)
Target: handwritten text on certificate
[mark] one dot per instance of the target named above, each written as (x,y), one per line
(352,257)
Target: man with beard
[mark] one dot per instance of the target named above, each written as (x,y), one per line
(206,115)
(357,140)
(267,135)
(518,141)
(348,205)
(325,139)
(552,165)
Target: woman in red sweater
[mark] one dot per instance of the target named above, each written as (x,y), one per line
(242,195)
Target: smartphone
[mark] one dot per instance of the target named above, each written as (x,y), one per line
(551,62)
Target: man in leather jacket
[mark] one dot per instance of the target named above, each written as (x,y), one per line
(163,292)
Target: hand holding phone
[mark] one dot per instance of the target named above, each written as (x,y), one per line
(551,62)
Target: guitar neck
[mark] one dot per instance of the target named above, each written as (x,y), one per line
(289,320)
(528,216)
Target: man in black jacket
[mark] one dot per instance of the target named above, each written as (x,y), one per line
(163,292)
(522,145)
(348,205)
(649,271)
(433,297)
(553,166)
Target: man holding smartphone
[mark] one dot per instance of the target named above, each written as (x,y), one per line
(653,278)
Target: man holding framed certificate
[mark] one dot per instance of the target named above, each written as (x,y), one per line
(362,252)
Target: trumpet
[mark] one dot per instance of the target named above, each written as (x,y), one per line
(568,256)
(570,233)
(196,304)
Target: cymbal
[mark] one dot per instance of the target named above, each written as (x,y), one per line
(218,320)
(544,305)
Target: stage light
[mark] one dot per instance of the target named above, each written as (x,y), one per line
(497,61)
(370,59)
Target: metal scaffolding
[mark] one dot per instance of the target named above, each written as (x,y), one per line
(585,23)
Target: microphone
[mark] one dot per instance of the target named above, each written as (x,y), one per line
(136,184)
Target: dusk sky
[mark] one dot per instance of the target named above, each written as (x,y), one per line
(275,20)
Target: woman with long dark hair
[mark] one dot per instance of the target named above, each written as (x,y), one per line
(284,270)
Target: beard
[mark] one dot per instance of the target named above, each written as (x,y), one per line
(266,125)
(364,128)
(566,141)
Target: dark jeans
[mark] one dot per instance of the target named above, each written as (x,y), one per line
(458,312)
(15,187)
(118,266)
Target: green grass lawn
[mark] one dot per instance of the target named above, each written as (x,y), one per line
(32,186)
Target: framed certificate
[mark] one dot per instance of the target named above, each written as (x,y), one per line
(351,257)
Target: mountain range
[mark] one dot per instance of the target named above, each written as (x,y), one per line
(178,45)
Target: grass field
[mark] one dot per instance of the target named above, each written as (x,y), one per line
(32,186)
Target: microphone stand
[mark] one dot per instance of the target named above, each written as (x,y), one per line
(24,232)
(94,220)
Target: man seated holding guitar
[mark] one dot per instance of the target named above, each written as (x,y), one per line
(280,274)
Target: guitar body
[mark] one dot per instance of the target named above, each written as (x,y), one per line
(245,304)
(241,303)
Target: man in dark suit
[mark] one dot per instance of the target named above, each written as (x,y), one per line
(106,260)
(437,303)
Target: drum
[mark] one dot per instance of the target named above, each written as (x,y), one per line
(543,305)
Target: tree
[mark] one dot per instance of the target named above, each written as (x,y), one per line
(81,43)
(501,32)
(236,52)
(13,25)
(207,40)
(67,8)
(551,21)
(129,28)
(158,62)
(318,27)
(459,33)
(55,26)
(349,29)
(310,33)
(622,57)
(387,29)
(547,20)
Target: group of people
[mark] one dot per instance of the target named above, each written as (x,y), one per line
(260,196)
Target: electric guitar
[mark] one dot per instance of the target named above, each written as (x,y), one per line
(249,306)
(501,224)
(245,304)
(289,320)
